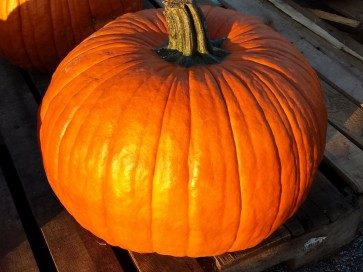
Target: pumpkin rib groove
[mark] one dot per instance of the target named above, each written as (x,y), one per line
(266,89)
(253,155)
(268,127)
(53,34)
(211,69)
(112,141)
(70,79)
(309,117)
(71,155)
(289,129)
(241,198)
(303,96)
(155,231)
(71,22)
(66,129)
(276,151)
(92,16)
(37,61)
(65,105)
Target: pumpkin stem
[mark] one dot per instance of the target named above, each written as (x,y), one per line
(189,44)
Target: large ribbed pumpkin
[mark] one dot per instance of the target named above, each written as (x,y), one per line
(153,156)
(37,34)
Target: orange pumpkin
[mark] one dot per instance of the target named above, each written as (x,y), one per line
(38,34)
(153,156)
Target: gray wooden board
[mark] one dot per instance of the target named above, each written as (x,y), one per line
(294,226)
(325,30)
(306,248)
(18,117)
(345,158)
(332,204)
(231,258)
(344,115)
(15,251)
(335,66)
(154,262)
(350,8)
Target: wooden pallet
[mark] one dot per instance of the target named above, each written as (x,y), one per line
(37,234)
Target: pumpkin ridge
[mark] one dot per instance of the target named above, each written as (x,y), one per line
(71,20)
(289,130)
(59,112)
(308,117)
(253,155)
(66,126)
(112,143)
(300,92)
(53,34)
(91,23)
(211,70)
(49,100)
(152,237)
(36,62)
(243,81)
(273,133)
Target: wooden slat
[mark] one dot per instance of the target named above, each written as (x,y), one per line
(323,30)
(155,262)
(344,115)
(294,226)
(311,245)
(349,8)
(18,124)
(232,258)
(345,158)
(15,250)
(330,204)
(337,67)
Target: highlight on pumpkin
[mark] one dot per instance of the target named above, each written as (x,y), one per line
(37,34)
(192,161)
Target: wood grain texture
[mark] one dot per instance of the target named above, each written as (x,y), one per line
(18,124)
(324,30)
(344,115)
(154,262)
(308,247)
(15,250)
(342,70)
(345,158)
(232,258)
(351,8)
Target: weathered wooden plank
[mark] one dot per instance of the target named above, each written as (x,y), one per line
(155,262)
(18,124)
(331,204)
(15,250)
(335,66)
(344,115)
(323,30)
(294,226)
(345,158)
(350,8)
(301,250)
(232,258)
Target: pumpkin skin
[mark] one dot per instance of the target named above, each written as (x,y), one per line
(37,34)
(198,161)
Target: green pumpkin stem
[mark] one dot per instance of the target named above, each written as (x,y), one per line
(189,44)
